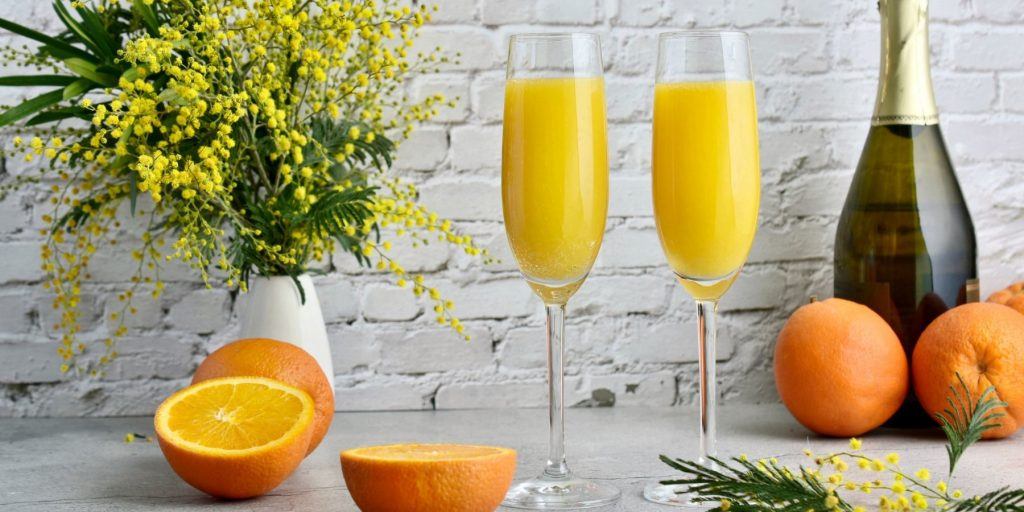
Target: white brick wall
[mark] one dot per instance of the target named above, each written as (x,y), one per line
(631,329)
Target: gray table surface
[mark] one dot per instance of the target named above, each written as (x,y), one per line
(84,464)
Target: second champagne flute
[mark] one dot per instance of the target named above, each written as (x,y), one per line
(554,190)
(707,188)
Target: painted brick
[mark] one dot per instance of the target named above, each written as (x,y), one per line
(464,200)
(476,147)
(789,52)
(1005,11)
(16,316)
(455,87)
(353,348)
(1012,87)
(21,262)
(36,362)
(630,332)
(627,248)
(630,197)
(13,215)
(620,295)
(502,298)
(456,11)
(424,150)
(488,92)
(796,243)
(492,396)
(629,98)
(579,12)
(670,342)
(524,348)
(649,389)
(148,312)
(434,350)
(989,50)
(201,312)
(502,12)
(477,48)
(750,13)
(389,303)
(338,300)
(818,194)
(639,14)
(700,14)
(378,397)
(155,356)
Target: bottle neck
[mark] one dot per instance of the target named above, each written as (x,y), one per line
(905,81)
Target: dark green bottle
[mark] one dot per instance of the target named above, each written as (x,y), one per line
(905,243)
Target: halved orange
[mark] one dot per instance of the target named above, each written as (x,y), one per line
(428,477)
(235,437)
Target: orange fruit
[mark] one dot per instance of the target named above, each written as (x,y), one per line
(278,360)
(428,477)
(984,343)
(1012,296)
(839,368)
(235,437)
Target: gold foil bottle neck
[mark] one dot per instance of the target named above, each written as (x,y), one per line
(905,81)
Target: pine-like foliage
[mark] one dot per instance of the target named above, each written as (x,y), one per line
(1002,500)
(966,419)
(754,487)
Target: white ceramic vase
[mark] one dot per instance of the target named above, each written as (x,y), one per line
(274,309)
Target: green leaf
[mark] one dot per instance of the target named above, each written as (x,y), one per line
(148,16)
(88,70)
(94,25)
(965,420)
(50,42)
(34,80)
(75,28)
(78,88)
(31,106)
(59,114)
(131,74)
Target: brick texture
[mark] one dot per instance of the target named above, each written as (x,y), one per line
(631,330)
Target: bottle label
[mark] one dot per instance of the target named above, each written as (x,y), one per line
(905,93)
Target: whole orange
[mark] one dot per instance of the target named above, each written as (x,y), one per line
(278,360)
(428,477)
(1012,296)
(984,343)
(839,368)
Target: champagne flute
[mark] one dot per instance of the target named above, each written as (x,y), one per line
(707,187)
(554,190)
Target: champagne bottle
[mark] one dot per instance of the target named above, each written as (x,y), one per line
(905,243)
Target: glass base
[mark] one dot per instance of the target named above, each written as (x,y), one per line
(675,496)
(560,494)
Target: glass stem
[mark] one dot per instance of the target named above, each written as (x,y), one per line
(556,466)
(706,310)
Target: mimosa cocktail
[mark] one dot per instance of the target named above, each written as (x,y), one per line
(554,190)
(706,189)
(706,179)
(554,178)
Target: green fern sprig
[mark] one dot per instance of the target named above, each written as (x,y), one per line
(1000,500)
(966,419)
(755,487)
